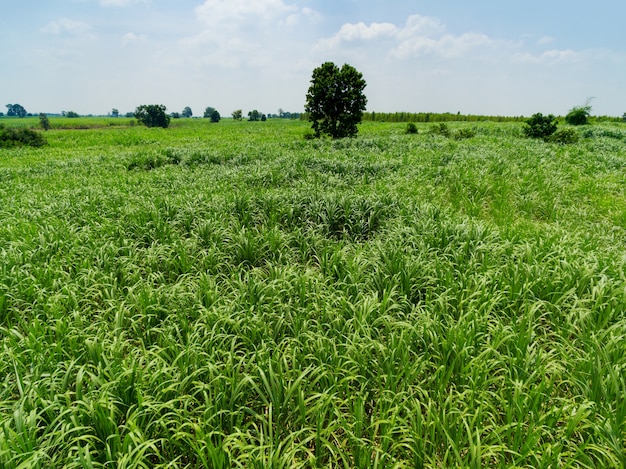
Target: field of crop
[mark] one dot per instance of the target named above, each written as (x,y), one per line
(233,295)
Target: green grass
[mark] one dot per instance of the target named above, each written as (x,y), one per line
(232,295)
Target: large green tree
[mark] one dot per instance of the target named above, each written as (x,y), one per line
(16,110)
(335,101)
(152,115)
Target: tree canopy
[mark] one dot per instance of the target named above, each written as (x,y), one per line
(152,115)
(335,101)
(15,110)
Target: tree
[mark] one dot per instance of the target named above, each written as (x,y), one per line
(115,113)
(237,115)
(44,122)
(16,110)
(71,114)
(335,101)
(624,117)
(540,126)
(187,112)
(254,116)
(152,115)
(208,111)
(215,116)
(579,115)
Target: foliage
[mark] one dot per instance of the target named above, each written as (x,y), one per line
(215,116)
(175,115)
(15,110)
(564,136)
(17,137)
(115,112)
(540,126)
(208,111)
(462,134)
(251,299)
(579,115)
(335,100)
(237,114)
(411,128)
(70,114)
(441,129)
(624,117)
(152,115)
(187,112)
(44,122)
(254,115)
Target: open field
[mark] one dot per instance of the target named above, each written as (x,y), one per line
(232,295)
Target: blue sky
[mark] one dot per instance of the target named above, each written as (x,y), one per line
(481,57)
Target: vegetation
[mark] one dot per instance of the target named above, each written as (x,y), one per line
(235,296)
(187,112)
(579,115)
(237,115)
(540,126)
(208,112)
(15,110)
(19,137)
(564,136)
(44,122)
(335,101)
(152,115)
(411,128)
(215,116)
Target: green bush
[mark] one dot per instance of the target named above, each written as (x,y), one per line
(410,128)
(579,115)
(564,136)
(464,133)
(441,129)
(540,126)
(20,137)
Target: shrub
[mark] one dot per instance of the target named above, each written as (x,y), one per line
(540,126)
(579,115)
(441,129)
(410,128)
(564,136)
(44,122)
(624,117)
(464,133)
(21,137)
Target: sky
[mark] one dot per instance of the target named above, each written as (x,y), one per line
(490,57)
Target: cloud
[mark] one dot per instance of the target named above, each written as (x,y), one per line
(130,38)
(549,57)
(420,35)
(237,33)
(65,26)
(121,3)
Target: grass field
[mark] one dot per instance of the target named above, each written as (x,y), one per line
(232,295)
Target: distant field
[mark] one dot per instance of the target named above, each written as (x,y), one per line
(233,295)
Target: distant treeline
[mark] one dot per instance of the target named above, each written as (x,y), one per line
(434,117)
(458,117)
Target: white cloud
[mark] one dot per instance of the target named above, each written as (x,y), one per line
(130,38)
(421,35)
(229,13)
(121,3)
(65,26)
(549,57)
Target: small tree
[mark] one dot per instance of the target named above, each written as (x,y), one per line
(115,113)
(208,111)
(72,114)
(335,101)
(44,122)
(237,115)
(187,112)
(254,115)
(624,117)
(215,116)
(540,126)
(152,115)
(579,115)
